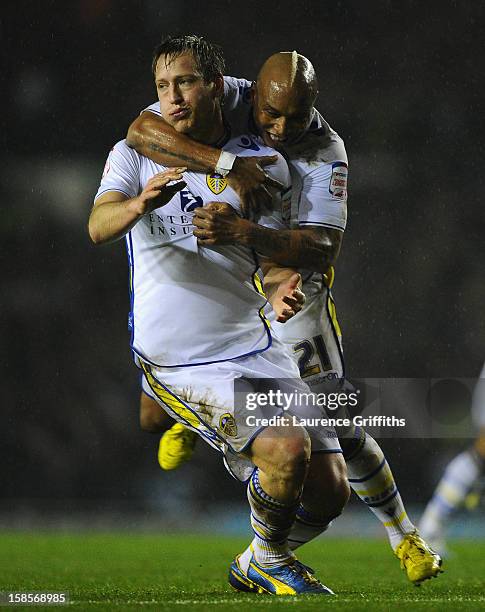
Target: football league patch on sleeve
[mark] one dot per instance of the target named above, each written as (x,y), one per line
(338,180)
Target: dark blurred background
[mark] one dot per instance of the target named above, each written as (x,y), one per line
(402,83)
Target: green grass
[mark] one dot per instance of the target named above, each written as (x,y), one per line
(180,572)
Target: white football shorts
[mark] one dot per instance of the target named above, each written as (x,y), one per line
(314,338)
(219,402)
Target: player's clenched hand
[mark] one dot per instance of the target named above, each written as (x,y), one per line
(252,184)
(218,223)
(157,192)
(288,299)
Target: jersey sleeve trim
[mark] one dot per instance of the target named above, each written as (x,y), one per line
(331,225)
(121,172)
(98,195)
(322,198)
(153,108)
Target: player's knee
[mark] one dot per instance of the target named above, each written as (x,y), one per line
(290,452)
(284,451)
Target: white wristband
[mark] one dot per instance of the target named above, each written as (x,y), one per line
(225,163)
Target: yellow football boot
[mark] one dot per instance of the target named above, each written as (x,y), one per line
(176,447)
(418,559)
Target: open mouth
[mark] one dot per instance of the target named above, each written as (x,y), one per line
(276,139)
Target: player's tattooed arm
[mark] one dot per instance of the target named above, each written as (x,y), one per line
(152,137)
(114,214)
(283,290)
(313,248)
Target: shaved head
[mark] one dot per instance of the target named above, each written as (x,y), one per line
(289,71)
(284,95)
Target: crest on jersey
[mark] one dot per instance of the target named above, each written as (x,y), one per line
(227,424)
(216,182)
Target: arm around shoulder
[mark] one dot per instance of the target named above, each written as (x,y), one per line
(152,137)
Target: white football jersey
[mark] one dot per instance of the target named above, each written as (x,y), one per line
(319,172)
(318,163)
(318,166)
(190,305)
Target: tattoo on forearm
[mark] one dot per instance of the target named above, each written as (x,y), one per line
(293,248)
(157,148)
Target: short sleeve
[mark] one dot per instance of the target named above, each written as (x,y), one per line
(322,197)
(153,108)
(121,171)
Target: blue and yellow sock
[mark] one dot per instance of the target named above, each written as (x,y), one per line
(271,521)
(372,481)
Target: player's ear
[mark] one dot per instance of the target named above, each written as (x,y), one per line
(219,86)
(253,93)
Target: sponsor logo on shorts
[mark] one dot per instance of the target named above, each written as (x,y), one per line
(227,424)
(216,183)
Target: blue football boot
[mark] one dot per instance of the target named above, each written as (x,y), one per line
(288,579)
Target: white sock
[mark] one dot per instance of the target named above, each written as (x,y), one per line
(245,559)
(371,479)
(460,476)
(271,521)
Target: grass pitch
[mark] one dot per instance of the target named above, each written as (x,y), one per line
(180,572)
